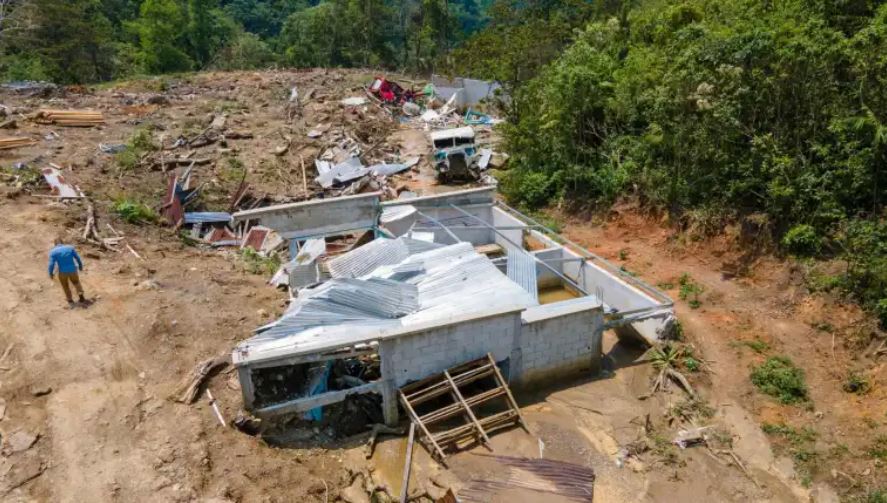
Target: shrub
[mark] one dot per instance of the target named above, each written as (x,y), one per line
(690,291)
(134,212)
(802,240)
(780,378)
(255,263)
(856,383)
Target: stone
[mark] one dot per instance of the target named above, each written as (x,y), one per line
(355,493)
(19,441)
(41,390)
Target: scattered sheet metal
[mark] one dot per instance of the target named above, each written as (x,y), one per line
(58,185)
(398,220)
(112,148)
(484,156)
(521,268)
(323,167)
(546,476)
(255,238)
(355,101)
(207,217)
(221,236)
(393,169)
(302,270)
(368,257)
(342,173)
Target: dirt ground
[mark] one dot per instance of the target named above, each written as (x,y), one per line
(94,384)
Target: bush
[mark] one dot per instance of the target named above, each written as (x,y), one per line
(255,263)
(802,240)
(690,290)
(780,378)
(134,212)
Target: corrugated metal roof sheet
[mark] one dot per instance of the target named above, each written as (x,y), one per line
(203,217)
(521,268)
(400,289)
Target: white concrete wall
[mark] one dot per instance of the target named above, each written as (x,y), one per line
(502,219)
(416,356)
(542,343)
(557,342)
(617,294)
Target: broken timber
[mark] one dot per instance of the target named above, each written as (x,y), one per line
(449,383)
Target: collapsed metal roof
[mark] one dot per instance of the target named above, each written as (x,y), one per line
(383,286)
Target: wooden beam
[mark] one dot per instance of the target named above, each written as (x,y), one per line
(511,399)
(415,419)
(404,487)
(471,415)
(306,404)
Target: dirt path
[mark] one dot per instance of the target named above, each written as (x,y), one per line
(107,431)
(770,305)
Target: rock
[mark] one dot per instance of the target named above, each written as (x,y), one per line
(823,493)
(355,493)
(158,99)
(41,390)
(148,284)
(19,441)
(2,408)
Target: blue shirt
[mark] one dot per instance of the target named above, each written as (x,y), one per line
(64,256)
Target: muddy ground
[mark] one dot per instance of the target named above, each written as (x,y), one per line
(93,385)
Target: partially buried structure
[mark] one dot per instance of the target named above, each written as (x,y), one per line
(420,285)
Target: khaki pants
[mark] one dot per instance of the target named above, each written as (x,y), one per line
(70,277)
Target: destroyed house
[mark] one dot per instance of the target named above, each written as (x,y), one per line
(423,284)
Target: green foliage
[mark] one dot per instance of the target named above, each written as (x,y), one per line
(756,345)
(160,28)
(139,143)
(800,445)
(246,51)
(720,109)
(878,449)
(875,496)
(134,212)
(856,383)
(802,239)
(255,263)
(690,290)
(780,378)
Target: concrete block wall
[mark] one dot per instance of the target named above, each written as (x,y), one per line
(557,343)
(415,356)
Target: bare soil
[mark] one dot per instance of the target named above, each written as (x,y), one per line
(94,383)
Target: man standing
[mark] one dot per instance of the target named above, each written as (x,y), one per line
(66,256)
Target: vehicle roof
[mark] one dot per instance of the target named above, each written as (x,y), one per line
(462,132)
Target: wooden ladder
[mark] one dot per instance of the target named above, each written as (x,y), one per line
(449,383)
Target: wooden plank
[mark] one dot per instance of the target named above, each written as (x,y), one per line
(415,419)
(404,487)
(467,408)
(305,404)
(511,399)
(454,409)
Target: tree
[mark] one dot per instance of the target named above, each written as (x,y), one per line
(63,41)
(160,27)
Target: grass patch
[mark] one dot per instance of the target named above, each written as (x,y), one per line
(799,445)
(254,263)
(756,345)
(134,212)
(781,379)
(876,496)
(547,220)
(856,383)
(690,290)
(140,143)
(878,450)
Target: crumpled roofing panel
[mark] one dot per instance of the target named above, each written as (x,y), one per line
(399,289)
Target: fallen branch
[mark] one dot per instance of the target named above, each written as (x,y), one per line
(378,429)
(190,388)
